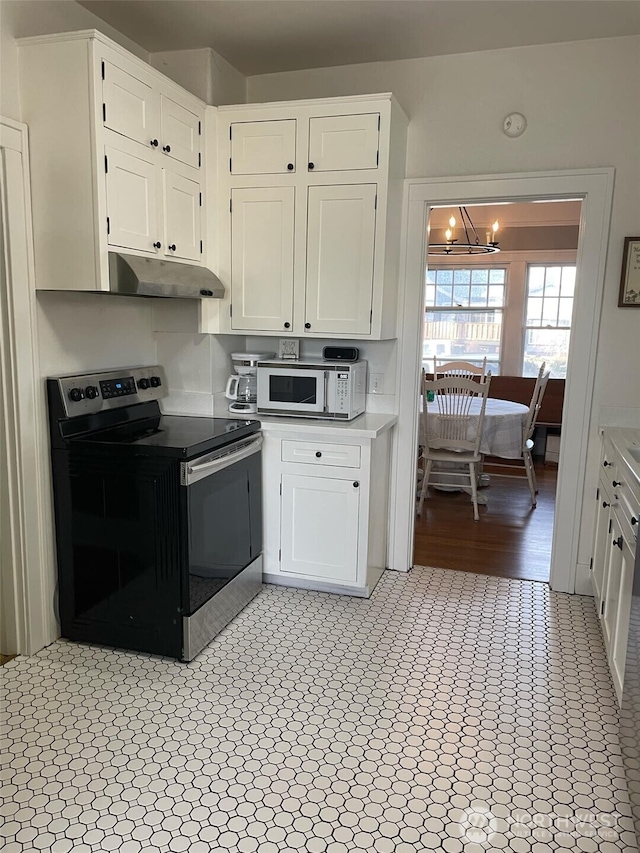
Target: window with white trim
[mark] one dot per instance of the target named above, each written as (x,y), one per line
(548,311)
(463,315)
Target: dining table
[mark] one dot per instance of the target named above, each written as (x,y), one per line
(502,435)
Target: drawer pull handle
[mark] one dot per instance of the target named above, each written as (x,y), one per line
(356,484)
(318,454)
(605,504)
(618,542)
(606,464)
(157,245)
(615,483)
(153,142)
(172,247)
(166,148)
(634,520)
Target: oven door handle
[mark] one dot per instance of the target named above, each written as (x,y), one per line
(191,473)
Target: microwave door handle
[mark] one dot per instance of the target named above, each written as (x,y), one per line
(192,473)
(326,391)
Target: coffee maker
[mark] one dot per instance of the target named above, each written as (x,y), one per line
(242,387)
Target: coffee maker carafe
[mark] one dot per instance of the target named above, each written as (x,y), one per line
(242,387)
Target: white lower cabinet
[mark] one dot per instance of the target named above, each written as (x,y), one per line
(311,506)
(614,546)
(326,502)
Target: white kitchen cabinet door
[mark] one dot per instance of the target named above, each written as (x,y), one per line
(181,133)
(132,201)
(263,147)
(319,527)
(600,542)
(262,223)
(339,143)
(130,106)
(182,214)
(340,250)
(620,636)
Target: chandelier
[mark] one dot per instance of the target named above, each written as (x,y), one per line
(453,246)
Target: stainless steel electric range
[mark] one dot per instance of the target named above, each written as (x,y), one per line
(158,517)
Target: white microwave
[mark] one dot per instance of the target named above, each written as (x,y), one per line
(312,389)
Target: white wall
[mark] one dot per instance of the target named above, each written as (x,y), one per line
(204,73)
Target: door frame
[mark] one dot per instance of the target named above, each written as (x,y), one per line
(594,188)
(27,562)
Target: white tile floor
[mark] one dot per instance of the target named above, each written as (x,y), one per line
(450,712)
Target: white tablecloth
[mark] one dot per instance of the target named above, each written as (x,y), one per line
(502,429)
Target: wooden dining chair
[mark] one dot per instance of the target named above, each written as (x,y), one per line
(461,369)
(529,427)
(453,432)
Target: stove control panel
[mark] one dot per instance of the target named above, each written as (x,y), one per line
(87,393)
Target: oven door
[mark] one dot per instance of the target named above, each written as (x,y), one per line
(224,518)
(292,389)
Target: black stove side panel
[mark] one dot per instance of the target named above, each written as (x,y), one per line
(120,551)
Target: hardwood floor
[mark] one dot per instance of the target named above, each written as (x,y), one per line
(511,539)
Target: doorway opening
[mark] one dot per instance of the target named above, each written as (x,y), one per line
(573,510)
(511,313)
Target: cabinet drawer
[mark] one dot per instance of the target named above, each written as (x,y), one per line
(320,453)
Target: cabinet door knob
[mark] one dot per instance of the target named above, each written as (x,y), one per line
(311,166)
(318,454)
(618,542)
(157,245)
(290,167)
(153,142)
(634,520)
(606,464)
(307,325)
(615,483)
(172,247)
(287,325)
(605,504)
(166,148)
(356,484)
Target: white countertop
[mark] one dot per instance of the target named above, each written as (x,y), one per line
(368,425)
(622,439)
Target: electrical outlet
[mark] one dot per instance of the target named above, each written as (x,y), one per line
(375,383)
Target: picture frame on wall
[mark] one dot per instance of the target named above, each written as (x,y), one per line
(630,280)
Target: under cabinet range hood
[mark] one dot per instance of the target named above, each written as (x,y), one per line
(131,275)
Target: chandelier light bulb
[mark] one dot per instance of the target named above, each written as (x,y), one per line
(495,227)
(452,222)
(448,233)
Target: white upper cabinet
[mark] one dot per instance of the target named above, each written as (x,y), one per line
(262,222)
(128,146)
(345,229)
(182,226)
(181,132)
(342,143)
(262,147)
(131,201)
(130,106)
(340,252)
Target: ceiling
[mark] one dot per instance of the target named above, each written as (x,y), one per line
(264,36)
(519,215)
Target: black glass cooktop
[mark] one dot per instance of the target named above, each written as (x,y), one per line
(174,435)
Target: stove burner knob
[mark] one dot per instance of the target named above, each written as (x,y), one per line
(143,384)
(76,394)
(156,382)
(91,392)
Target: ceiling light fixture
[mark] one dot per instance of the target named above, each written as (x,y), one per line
(453,246)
